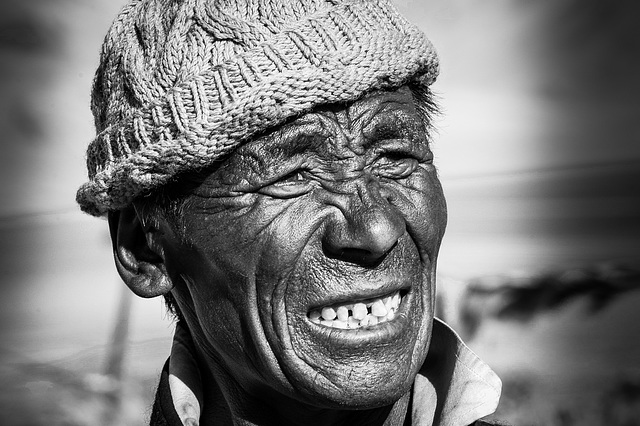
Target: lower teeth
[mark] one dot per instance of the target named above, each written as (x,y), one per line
(357,315)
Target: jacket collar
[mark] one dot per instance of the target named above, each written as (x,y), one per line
(453,388)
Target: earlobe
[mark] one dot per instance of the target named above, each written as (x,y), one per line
(138,261)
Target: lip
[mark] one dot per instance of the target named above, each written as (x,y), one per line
(380,334)
(388,331)
(361,296)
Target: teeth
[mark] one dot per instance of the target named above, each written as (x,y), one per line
(329,313)
(339,324)
(315,316)
(365,321)
(359,311)
(353,323)
(388,302)
(378,309)
(358,315)
(343,313)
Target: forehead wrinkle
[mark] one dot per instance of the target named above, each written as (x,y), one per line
(334,123)
(302,136)
(345,124)
(326,130)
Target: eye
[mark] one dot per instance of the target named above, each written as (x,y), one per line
(294,177)
(291,185)
(397,165)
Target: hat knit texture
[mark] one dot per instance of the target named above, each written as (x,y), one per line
(181,83)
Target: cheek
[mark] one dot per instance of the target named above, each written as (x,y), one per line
(422,203)
(218,261)
(292,227)
(292,240)
(237,254)
(233,235)
(215,303)
(433,211)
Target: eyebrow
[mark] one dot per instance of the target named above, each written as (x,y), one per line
(382,101)
(395,120)
(298,138)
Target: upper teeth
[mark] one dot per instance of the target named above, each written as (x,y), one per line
(356,315)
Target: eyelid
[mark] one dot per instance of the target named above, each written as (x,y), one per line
(414,151)
(398,169)
(293,174)
(399,162)
(282,188)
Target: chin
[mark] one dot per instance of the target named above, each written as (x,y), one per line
(328,365)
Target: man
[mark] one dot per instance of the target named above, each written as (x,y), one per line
(265,166)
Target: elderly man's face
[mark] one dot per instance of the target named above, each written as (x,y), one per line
(338,211)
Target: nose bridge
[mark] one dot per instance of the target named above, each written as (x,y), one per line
(368,226)
(367,203)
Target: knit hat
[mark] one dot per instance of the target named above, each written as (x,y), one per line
(181,83)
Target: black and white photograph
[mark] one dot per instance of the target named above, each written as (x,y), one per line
(320,212)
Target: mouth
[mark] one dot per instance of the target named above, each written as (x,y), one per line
(358,314)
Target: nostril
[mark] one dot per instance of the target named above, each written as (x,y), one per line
(364,230)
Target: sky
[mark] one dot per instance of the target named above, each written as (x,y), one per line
(538,149)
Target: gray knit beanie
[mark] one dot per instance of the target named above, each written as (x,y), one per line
(181,83)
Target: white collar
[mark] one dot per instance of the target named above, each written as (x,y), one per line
(453,388)
(464,388)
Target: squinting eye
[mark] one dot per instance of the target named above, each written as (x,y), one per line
(396,166)
(292,185)
(293,177)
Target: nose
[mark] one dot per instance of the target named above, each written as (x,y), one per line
(366,227)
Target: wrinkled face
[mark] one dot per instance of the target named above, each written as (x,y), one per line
(308,256)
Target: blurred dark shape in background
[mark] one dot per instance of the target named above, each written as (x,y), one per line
(621,404)
(525,298)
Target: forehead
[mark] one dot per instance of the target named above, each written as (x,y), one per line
(350,126)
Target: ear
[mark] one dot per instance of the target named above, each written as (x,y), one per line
(137,254)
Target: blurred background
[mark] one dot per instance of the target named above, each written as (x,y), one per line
(539,153)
